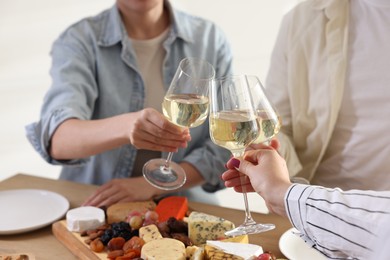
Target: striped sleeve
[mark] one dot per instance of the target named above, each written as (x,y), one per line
(338,223)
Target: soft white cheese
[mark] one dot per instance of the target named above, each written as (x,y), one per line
(246,251)
(84,218)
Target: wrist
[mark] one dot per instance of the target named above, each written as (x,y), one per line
(275,200)
(126,126)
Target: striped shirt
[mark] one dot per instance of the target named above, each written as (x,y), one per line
(339,224)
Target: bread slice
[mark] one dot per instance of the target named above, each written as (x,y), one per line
(119,211)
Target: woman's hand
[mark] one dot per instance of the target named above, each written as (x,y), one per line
(267,175)
(122,190)
(274,143)
(150,130)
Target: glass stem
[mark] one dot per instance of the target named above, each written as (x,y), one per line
(248,217)
(168,161)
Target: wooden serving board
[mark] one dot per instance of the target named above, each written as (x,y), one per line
(22,256)
(75,243)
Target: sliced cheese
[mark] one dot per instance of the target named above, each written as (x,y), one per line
(194,253)
(203,227)
(149,233)
(84,218)
(239,250)
(164,249)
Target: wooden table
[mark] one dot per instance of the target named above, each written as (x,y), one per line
(44,245)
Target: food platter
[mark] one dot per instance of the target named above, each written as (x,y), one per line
(168,228)
(295,248)
(24,210)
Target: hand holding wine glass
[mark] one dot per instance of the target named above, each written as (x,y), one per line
(234,126)
(268,118)
(185,104)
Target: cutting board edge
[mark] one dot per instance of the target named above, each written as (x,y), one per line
(70,241)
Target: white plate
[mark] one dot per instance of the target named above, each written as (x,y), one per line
(29,209)
(294,248)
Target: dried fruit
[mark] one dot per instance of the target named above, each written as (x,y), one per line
(116,243)
(97,245)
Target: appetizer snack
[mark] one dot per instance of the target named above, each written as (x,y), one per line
(230,250)
(149,233)
(119,212)
(141,233)
(174,206)
(203,227)
(84,218)
(164,249)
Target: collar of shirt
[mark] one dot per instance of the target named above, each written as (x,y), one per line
(113,30)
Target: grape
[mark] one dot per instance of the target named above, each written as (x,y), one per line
(148,222)
(133,213)
(136,222)
(151,215)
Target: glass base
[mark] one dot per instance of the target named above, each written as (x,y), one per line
(164,178)
(249,229)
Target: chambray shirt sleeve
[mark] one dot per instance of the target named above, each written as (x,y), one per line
(338,223)
(71,95)
(210,159)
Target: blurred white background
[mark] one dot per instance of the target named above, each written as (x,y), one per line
(28,28)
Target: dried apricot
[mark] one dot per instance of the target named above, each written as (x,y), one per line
(116,243)
(134,243)
(97,245)
(114,254)
(133,252)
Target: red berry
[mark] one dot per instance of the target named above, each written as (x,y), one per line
(266,256)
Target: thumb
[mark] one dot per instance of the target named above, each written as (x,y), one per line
(245,167)
(275,143)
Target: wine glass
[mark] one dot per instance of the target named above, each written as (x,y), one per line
(234,126)
(185,104)
(267,117)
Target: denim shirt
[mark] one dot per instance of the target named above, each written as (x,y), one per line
(95,75)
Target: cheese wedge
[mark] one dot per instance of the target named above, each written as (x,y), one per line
(238,239)
(173,206)
(203,227)
(212,253)
(164,249)
(195,253)
(231,250)
(149,233)
(84,218)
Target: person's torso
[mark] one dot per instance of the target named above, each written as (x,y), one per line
(358,152)
(121,88)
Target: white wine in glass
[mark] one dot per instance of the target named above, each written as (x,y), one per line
(234,125)
(185,104)
(188,110)
(268,118)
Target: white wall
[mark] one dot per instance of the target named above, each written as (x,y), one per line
(250,25)
(27,29)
